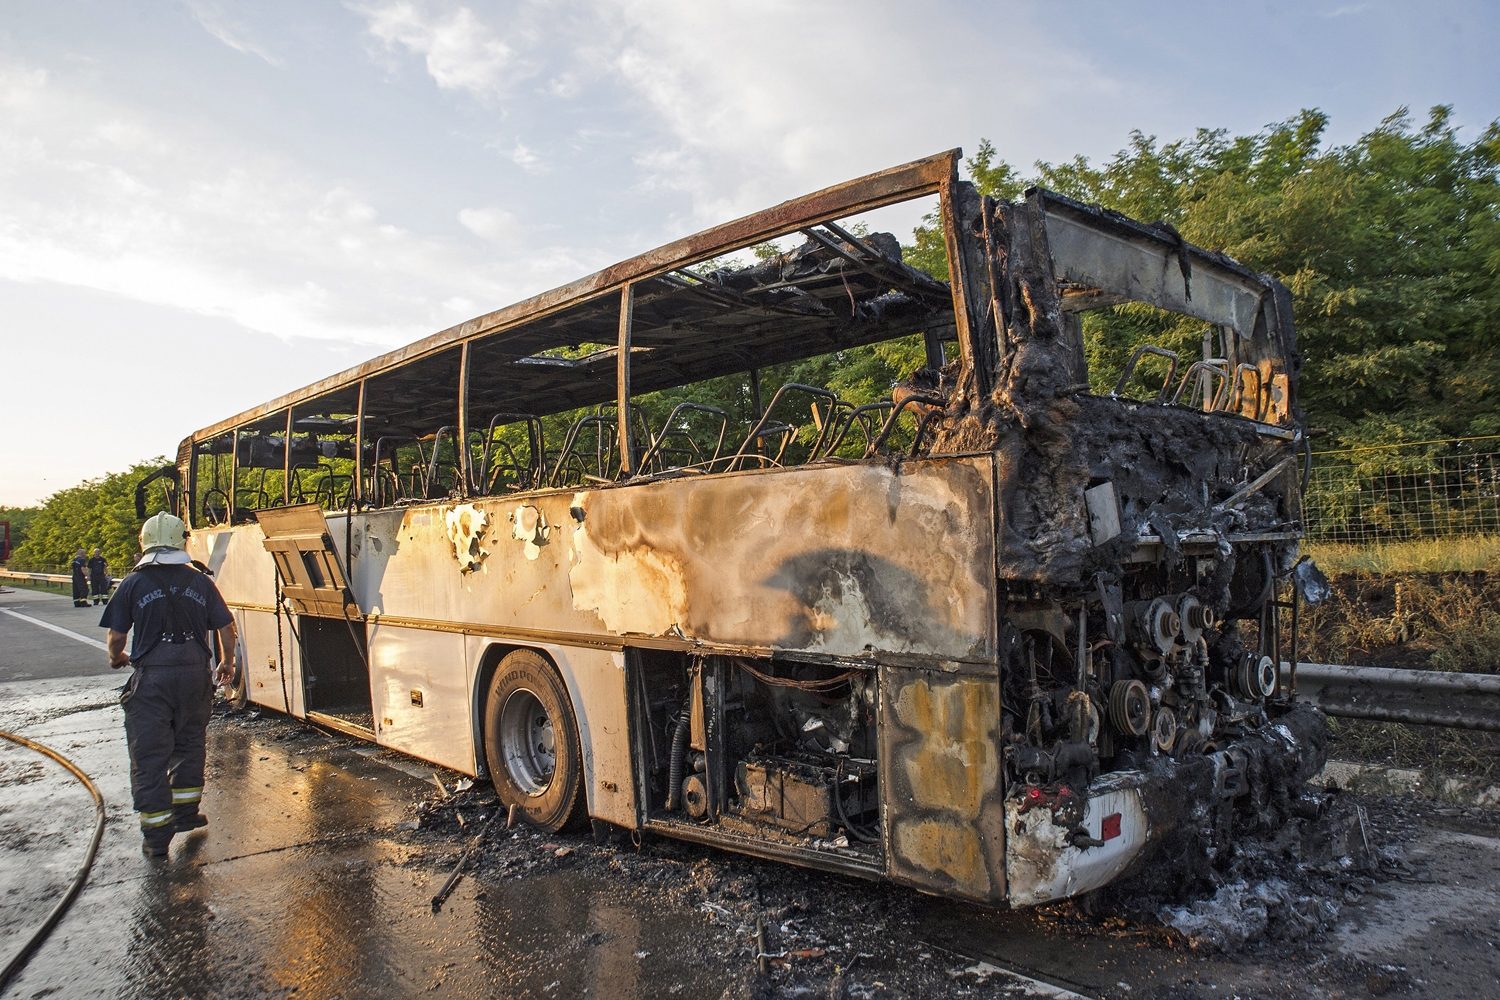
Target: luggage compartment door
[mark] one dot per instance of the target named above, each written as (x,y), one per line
(311,575)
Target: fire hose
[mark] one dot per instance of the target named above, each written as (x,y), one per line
(19,960)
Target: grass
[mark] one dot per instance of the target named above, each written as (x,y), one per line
(1455,555)
(1419,605)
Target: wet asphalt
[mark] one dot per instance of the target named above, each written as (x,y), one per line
(310,882)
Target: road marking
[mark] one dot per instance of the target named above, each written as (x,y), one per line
(1031,987)
(56,628)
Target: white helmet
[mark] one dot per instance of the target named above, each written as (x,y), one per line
(163,531)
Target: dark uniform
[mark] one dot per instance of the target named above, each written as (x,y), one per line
(169,699)
(99,579)
(80,568)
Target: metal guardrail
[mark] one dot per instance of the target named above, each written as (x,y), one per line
(1390,694)
(62,578)
(10,574)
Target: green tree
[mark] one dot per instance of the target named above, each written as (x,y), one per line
(19,519)
(1390,246)
(97,512)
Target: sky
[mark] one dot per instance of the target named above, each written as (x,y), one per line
(207,203)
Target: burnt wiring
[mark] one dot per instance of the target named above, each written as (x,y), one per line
(286,701)
(819,685)
(857,832)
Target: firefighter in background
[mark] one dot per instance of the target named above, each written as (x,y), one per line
(80,567)
(98,577)
(170,607)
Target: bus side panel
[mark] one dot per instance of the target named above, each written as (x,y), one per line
(243,570)
(419,691)
(836,560)
(942,797)
(261,663)
(830,559)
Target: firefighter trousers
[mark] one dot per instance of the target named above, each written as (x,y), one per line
(167,709)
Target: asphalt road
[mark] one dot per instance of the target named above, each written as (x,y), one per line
(29,651)
(310,883)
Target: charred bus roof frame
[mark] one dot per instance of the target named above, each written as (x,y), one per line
(1097,258)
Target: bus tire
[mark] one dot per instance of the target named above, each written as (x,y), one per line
(531,742)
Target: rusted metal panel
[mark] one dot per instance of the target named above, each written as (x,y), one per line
(312,578)
(1143,270)
(839,560)
(836,559)
(942,797)
(862,194)
(1422,697)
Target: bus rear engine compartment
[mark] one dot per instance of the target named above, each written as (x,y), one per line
(774,751)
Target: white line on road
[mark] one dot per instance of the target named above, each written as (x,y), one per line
(56,628)
(1032,987)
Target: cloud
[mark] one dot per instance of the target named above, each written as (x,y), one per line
(525,158)
(494,225)
(752,110)
(219,20)
(101,196)
(460,51)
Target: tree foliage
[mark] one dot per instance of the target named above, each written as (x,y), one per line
(1390,246)
(19,519)
(97,512)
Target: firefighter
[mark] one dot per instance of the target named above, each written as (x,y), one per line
(98,577)
(170,607)
(80,568)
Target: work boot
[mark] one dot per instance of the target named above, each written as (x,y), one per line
(188,818)
(156,842)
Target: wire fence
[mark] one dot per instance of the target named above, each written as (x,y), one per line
(1397,494)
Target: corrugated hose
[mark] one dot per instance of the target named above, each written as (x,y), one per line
(19,960)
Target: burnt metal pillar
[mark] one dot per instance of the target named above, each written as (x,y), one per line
(234,473)
(359,447)
(461,445)
(286,462)
(961,210)
(622,381)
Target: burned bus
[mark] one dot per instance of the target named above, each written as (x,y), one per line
(1003,634)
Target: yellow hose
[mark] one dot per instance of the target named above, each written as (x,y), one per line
(18,962)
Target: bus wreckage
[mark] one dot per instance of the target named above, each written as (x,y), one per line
(999,637)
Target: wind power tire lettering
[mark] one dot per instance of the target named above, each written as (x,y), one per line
(531,742)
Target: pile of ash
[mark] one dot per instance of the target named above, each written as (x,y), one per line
(1289,886)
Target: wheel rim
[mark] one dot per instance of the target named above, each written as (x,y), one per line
(527,742)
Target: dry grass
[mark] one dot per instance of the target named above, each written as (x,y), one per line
(1480,553)
(1419,621)
(1431,622)
(1431,749)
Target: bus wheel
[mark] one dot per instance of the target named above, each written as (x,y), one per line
(531,742)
